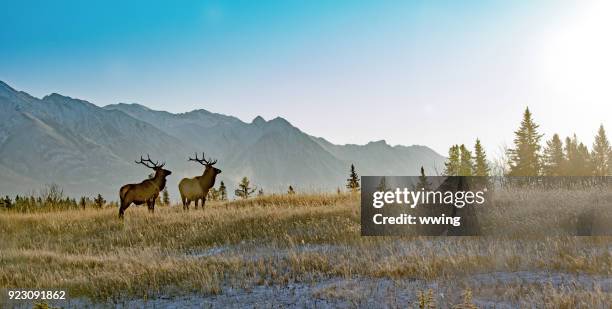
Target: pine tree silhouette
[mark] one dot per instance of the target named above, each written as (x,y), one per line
(481,166)
(601,157)
(525,157)
(466,164)
(554,159)
(244,188)
(222,192)
(353,180)
(453,163)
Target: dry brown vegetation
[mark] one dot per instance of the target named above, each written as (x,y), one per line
(280,240)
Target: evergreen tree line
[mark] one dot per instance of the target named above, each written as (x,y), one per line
(529,158)
(461,161)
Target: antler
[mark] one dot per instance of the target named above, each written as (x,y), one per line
(148,161)
(203,161)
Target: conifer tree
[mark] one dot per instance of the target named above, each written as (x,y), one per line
(601,157)
(577,163)
(466,164)
(222,192)
(525,156)
(382,185)
(244,188)
(99,201)
(585,168)
(481,166)
(353,180)
(423,183)
(453,163)
(83,202)
(7,202)
(166,197)
(554,159)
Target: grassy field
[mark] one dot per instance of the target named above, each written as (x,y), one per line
(311,242)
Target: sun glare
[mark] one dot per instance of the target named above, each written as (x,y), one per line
(576,59)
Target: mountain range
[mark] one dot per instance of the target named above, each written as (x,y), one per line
(87,149)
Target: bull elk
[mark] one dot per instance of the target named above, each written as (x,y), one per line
(146,191)
(196,189)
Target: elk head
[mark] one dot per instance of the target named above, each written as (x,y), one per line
(158,168)
(208,163)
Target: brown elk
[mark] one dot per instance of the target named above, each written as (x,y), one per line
(196,189)
(146,191)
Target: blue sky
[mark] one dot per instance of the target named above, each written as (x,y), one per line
(410,72)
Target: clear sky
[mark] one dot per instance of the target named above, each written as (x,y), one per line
(410,72)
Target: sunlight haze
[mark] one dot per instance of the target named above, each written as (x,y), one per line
(422,72)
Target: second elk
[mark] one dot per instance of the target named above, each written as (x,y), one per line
(196,189)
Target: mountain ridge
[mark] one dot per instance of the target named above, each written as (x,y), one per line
(92,148)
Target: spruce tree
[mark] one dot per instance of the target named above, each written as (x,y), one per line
(423,183)
(99,201)
(577,154)
(7,202)
(353,180)
(466,164)
(382,185)
(222,192)
(601,157)
(166,197)
(481,166)
(83,202)
(585,167)
(525,156)
(453,163)
(244,188)
(553,159)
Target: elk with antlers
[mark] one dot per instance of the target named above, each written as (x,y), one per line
(146,191)
(196,189)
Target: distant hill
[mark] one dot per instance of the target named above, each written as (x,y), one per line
(88,149)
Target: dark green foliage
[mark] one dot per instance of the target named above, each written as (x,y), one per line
(165,197)
(353,180)
(423,183)
(222,192)
(99,201)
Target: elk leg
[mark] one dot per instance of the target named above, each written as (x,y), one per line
(123,207)
(203,202)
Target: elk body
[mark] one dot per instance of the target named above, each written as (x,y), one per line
(146,191)
(195,189)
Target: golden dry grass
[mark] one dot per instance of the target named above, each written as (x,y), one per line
(266,240)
